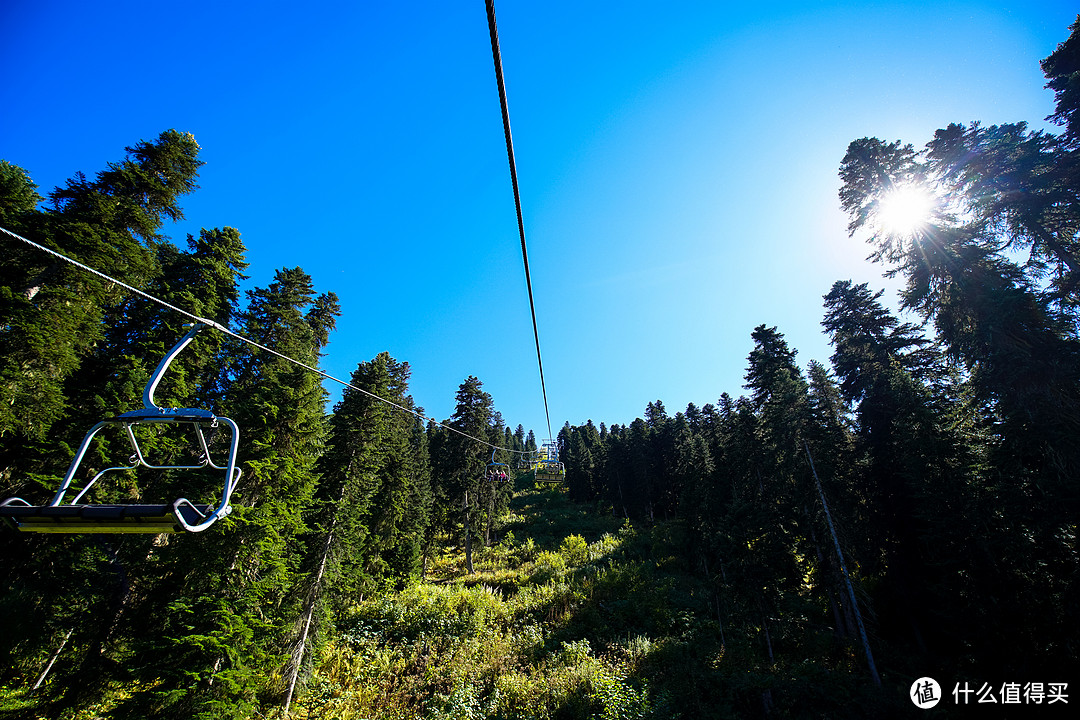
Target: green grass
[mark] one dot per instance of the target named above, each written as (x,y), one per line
(574,615)
(568,615)
(503,642)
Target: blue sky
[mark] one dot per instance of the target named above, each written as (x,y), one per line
(678,164)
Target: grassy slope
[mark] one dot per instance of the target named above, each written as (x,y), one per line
(568,615)
(571,615)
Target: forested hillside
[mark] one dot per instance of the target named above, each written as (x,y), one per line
(330,508)
(808,549)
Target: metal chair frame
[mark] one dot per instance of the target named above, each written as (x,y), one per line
(75,517)
(548,469)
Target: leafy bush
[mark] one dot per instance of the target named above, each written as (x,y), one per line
(574,550)
(618,699)
(548,566)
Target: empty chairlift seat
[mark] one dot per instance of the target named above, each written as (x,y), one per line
(177,515)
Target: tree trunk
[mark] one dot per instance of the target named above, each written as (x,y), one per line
(622,500)
(766,702)
(297,659)
(843,568)
(834,607)
(491,513)
(31,290)
(213,670)
(468,537)
(768,638)
(45,672)
(720,621)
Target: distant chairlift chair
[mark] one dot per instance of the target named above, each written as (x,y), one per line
(181,514)
(497,471)
(548,467)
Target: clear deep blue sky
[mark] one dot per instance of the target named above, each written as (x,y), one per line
(678,164)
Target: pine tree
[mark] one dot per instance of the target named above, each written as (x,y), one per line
(583,454)
(111,379)
(226,627)
(910,459)
(768,525)
(996,270)
(373,500)
(692,470)
(458,462)
(1062,71)
(637,472)
(52,310)
(60,325)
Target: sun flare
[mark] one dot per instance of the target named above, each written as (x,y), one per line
(906,210)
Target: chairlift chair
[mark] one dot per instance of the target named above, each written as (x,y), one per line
(181,514)
(497,471)
(550,472)
(548,469)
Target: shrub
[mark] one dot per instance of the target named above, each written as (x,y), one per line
(548,566)
(574,550)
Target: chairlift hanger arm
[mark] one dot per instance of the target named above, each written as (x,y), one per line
(159,371)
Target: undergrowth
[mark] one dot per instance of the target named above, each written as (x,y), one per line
(569,615)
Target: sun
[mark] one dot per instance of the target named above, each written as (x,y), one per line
(906,210)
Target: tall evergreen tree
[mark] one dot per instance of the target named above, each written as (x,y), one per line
(996,271)
(59,322)
(768,534)
(227,626)
(458,463)
(898,435)
(51,310)
(372,502)
(110,380)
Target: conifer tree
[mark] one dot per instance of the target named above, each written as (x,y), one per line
(909,457)
(52,310)
(637,472)
(58,318)
(583,455)
(227,625)
(767,519)
(692,469)
(996,270)
(458,462)
(372,502)
(111,380)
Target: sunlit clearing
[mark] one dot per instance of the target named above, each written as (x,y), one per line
(905,210)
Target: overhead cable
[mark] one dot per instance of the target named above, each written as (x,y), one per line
(222,328)
(496,57)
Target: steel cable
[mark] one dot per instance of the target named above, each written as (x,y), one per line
(496,57)
(221,328)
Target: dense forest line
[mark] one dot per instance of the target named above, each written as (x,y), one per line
(946,450)
(909,510)
(330,508)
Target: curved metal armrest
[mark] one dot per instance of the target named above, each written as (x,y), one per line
(191,519)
